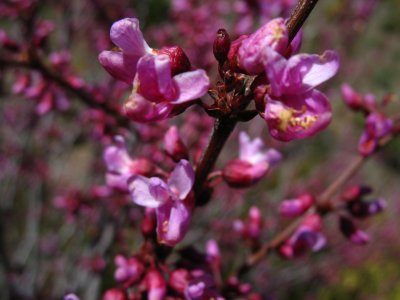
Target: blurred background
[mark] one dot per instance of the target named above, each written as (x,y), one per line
(60,227)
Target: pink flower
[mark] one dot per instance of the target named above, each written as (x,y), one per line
(161,79)
(294,109)
(157,94)
(356,101)
(252,227)
(156,285)
(306,237)
(377,126)
(171,199)
(120,166)
(254,162)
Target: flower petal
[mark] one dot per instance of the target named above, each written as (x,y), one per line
(155,79)
(139,187)
(117,158)
(191,85)
(126,35)
(181,179)
(140,109)
(120,65)
(305,71)
(173,222)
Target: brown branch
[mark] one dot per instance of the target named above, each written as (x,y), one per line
(35,62)
(299,16)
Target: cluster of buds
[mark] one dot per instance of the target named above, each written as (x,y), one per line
(357,207)
(377,124)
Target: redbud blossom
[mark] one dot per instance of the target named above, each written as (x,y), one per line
(349,230)
(306,237)
(355,192)
(171,199)
(356,101)
(221,46)
(115,294)
(294,109)
(174,145)
(71,297)
(377,126)
(120,166)
(128,269)
(363,209)
(254,163)
(297,206)
(179,280)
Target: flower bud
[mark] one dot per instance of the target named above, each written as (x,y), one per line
(355,192)
(115,294)
(174,146)
(179,61)
(179,280)
(295,207)
(156,286)
(129,269)
(241,174)
(349,230)
(71,297)
(363,209)
(221,46)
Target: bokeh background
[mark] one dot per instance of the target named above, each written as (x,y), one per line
(49,247)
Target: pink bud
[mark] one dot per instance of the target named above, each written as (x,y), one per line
(295,207)
(355,192)
(179,280)
(156,286)
(349,230)
(114,294)
(174,146)
(241,174)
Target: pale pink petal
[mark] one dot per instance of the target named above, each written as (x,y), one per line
(126,35)
(139,187)
(191,85)
(181,179)
(274,65)
(120,65)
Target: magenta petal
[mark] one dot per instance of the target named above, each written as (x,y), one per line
(181,179)
(305,71)
(140,109)
(159,189)
(126,35)
(298,116)
(120,65)
(250,151)
(139,187)
(118,181)
(191,85)
(154,77)
(173,222)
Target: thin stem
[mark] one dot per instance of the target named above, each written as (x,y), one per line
(299,16)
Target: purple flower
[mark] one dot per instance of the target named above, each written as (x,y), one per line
(156,285)
(357,101)
(202,286)
(254,162)
(120,166)
(171,199)
(294,109)
(377,126)
(306,237)
(252,227)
